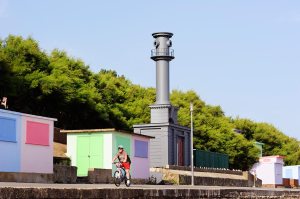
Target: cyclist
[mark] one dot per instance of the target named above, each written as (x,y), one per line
(124,160)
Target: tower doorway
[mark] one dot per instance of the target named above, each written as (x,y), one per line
(180,151)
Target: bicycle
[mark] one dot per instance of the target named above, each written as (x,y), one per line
(120,175)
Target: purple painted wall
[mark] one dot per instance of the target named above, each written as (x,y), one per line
(37,155)
(140,157)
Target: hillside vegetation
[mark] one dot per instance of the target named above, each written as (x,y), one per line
(57,85)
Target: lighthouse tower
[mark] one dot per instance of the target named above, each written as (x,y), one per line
(162,111)
(171,145)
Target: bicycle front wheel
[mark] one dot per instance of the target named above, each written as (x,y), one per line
(117,178)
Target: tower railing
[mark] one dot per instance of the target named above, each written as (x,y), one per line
(162,52)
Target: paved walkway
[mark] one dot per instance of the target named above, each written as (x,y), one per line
(112,186)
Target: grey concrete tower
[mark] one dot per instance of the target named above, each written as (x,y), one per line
(162,111)
(162,55)
(171,145)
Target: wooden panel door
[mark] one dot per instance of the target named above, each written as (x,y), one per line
(96,151)
(89,153)
(180,151)
(83,155)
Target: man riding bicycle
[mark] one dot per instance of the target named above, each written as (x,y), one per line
(124,160)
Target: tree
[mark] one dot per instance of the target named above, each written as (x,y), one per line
(213,131)
(23,64)
(275,142)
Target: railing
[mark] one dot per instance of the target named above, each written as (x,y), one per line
(210,159)
(162,52)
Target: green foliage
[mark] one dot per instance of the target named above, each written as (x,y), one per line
(275,142)
(213,131)
(57,85)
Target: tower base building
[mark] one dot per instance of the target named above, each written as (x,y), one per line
(171,145)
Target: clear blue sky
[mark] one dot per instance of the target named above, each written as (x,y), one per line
(242,55)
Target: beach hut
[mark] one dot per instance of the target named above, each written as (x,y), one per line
(95,148)
(269,170)
(292,172)
(26,143)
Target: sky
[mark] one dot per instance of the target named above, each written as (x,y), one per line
(241,55)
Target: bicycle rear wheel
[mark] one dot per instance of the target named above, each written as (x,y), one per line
(128,183)
(117,178)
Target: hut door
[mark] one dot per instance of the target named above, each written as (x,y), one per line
(96,152)
(89,153)
(83,155)
(180,151)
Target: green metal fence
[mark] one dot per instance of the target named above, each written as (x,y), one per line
(210,159)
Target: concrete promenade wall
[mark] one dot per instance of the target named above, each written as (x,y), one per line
(26,177)
(207,170)
(207,181)
(221,178)
(99,176)
(61,174)
(151,192)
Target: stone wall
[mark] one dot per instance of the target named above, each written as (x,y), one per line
(99,176)
(61,174)
(253,181)
(207,181)
(26,177)
(210,181)
(64,174)
(204,169)
(104,176)
(146,192)
(182,177)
